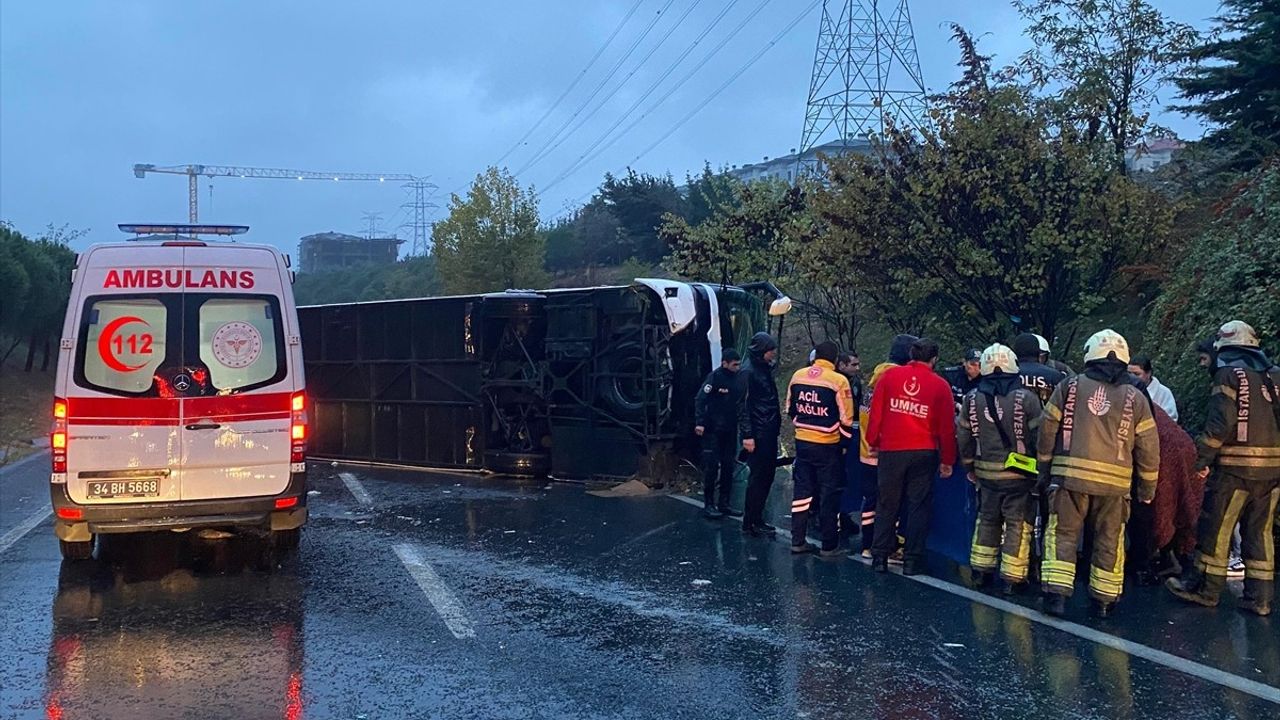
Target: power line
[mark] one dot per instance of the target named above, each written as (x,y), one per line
(648,28)
(752,61)
(605,100)
(578,78)
(582,159)
(754,58)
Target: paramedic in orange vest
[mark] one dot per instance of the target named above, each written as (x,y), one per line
(820,405)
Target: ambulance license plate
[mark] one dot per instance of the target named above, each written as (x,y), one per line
(102,489)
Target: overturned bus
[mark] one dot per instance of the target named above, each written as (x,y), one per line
(579,383)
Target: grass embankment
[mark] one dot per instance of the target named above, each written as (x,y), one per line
(26,399)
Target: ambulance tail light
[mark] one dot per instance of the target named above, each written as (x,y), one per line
(298,427)
(58,436)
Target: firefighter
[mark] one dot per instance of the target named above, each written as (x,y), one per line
(1097,429)
(716,419)
(1241,441)
(997,434)
(820,405)
(759,421)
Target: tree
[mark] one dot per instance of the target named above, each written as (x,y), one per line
(1228,273)
(1106,59)
(638,203)
(744,241)
(1235,81)
(490,241)
(999,218)
(36,279)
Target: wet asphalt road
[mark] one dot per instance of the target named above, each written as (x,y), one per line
(433,595)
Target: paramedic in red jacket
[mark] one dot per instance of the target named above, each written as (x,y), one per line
(912,431)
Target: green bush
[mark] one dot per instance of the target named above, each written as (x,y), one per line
(1230,272)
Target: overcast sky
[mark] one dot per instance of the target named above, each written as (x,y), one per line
(434,88)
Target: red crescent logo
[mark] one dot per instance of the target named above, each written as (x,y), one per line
(104,343)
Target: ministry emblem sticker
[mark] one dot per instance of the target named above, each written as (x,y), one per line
(237,344)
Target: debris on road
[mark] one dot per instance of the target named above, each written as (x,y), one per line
(630,488)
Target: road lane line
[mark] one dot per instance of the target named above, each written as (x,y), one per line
(455,618)
(1226,679)
(356,488)
(22,528)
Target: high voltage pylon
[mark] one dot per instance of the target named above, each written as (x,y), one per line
(866,73)
(417,222)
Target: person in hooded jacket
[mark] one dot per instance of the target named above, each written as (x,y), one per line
(1097,432)
(999,419)
(1241,441)
(759,422)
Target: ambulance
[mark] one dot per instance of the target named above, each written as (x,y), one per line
(179,397)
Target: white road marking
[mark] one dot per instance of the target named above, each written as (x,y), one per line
(455,618)
(1160,657)
(356,488)
(24,527)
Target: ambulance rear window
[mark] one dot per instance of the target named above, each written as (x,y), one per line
(239,341)
(123,343)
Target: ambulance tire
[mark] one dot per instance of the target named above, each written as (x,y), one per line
(519,464)
(76,550)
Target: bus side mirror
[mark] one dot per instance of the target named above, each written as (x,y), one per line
(781,306)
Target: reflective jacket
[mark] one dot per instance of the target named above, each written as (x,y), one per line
(820,404)
(1094,434)
(1240,431)
(716,406)
(759,414)
(982,449)
(864,411)
(1039,378)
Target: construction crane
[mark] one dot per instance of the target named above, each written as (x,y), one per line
(195,171)
(419,185)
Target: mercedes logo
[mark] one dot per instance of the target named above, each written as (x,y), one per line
(182,382)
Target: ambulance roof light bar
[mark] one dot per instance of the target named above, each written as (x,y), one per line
(188,230)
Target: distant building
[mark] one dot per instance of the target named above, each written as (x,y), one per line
(327,251)
(1151,154)
(788,167)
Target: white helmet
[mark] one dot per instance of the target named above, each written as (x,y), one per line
(1104,344)
(1236,332)
(998,357)
(1044,344)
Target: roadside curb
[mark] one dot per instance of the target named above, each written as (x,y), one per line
(6,469)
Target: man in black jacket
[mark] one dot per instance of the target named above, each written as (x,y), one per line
(1036,376)
(759,421)
(716,422)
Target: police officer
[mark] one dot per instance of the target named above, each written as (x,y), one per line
(1097,430)
(1035,375)
(759,421)
(1241,440)
(965,376)
(997,434)
(716,420)
(820,405)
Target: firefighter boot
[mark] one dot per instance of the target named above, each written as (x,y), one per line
(1191,590)
(1055,604)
